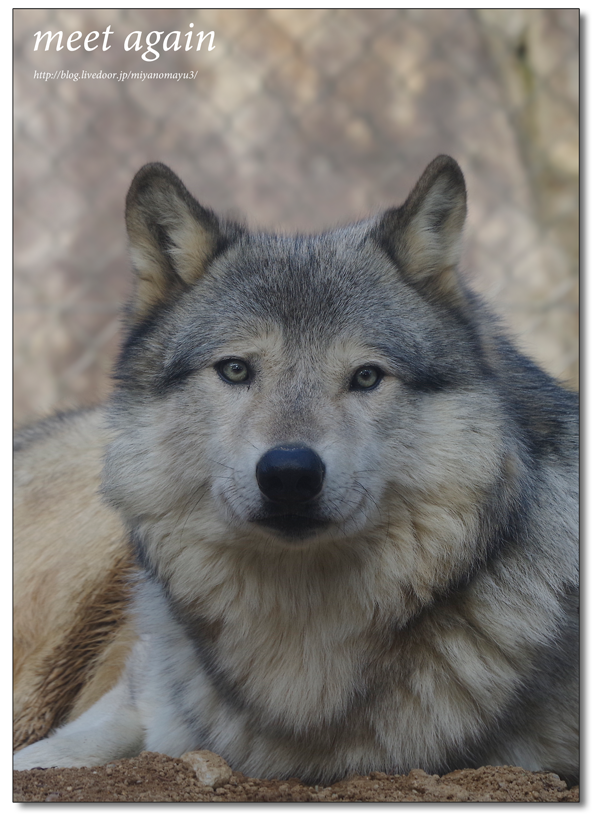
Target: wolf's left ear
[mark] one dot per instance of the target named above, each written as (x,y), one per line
(424,235)
(172,238)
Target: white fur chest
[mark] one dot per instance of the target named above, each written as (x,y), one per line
(289,645)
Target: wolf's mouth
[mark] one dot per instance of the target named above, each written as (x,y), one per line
(292,526)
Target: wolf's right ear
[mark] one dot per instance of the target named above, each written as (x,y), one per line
(172,238)
(424,235)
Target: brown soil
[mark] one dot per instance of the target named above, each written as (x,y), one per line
(155,777)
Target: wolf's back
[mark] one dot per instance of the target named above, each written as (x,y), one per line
(71,567)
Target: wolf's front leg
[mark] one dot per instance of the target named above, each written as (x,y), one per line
(110,729)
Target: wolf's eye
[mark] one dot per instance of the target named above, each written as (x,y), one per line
(366,378)
(233,370)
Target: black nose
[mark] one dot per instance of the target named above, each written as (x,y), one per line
(290,474)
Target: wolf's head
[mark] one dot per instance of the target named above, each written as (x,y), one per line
(288,391)
(174,240)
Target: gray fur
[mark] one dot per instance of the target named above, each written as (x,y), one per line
(420,610)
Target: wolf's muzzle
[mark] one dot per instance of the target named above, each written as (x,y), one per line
(290,474)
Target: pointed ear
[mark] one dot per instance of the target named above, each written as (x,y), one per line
(424,235)
(172,238)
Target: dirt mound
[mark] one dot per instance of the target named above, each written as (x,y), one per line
(155,777)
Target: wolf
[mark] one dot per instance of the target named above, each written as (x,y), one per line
(326,525)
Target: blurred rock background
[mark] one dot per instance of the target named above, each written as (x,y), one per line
(297,120)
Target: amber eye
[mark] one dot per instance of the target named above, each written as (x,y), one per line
(366,378)
(234,371)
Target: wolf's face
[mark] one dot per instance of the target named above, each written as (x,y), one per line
(293,387)
(298,386)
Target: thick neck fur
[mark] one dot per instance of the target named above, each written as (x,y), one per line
(344,610)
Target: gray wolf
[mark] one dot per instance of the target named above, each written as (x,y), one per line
(326,525)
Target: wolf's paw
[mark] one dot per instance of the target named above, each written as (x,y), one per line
(46,754)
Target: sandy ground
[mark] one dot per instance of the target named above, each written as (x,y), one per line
(155,777)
